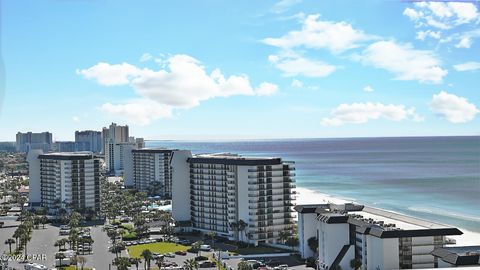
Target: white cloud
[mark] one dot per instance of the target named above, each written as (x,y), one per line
(283,5)
(421,35)
(333,36)
(266,89)
(140,112)
(465,40)
(368,88)
(453,108)
(405,62)
(468,66)
(359,113)
(295,65)
(183,83)
(146,57)
(76,119)
(445,17)
(296,83)
(106,74)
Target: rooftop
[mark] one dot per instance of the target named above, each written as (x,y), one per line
(235,159)
(459,255)
(67,155)
(377,222)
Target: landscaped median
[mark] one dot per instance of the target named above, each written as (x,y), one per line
(159,247)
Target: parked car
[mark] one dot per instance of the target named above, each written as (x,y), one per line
(206,264)
(201,258)
(170,255)
(182,253)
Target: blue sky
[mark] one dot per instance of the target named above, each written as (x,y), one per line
(250,69)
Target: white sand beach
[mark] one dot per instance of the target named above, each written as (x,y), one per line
(307,196)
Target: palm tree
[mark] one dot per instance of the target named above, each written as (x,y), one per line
(135,261)
(147,256)
(159,262)
(190,264)
(196,246)
(244,265)
(242,225)
(234,227)
(9,242)
(284,235)
(122,263)
(82,260)
(212,235)
(24,239)
(60,256)
(18,232)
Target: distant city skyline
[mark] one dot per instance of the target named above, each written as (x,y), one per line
(246,70)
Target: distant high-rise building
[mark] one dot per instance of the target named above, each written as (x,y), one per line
(114,134)
(228,191)
(89,140)
(70,180)
(64,146)
(151,170)
(31,141)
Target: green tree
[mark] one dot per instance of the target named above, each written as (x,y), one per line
(292,242)
(313,244)
(135,261)
(356,264)
(244,265)
(159,262)
(122,263)
(9,242)
(242,225)
(60,256)
(212,235)
(190,264)
(147,256)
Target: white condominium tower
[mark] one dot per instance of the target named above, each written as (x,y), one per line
(71,180)
(152,170)
(247,199)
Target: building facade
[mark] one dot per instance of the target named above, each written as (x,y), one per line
(33,141)
(70,180)
(245,199)
(118,156)
(152,171)
(89,140)
(114,134)
(373,238)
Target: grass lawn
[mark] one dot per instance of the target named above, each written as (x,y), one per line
(159,247)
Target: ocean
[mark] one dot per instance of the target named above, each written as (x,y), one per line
(435,178)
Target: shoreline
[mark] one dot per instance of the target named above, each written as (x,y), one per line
(307,196)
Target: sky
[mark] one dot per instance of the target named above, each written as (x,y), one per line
(221,70)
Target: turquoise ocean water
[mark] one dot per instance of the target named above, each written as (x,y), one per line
(436,178)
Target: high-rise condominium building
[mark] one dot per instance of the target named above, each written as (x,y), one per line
(31,141)
(373,238)
(152,170)
(247,199)
(89,140)
(118,156)
(70,180)
(114,134)
(116,144)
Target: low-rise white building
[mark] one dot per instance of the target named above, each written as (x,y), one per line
(247,199)
(373,238)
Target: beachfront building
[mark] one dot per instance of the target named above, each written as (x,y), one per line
(118,156)
(33,141)
(88,140)
(152,170)
(246,199)
(457,256)
(372,238)
(69,180)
